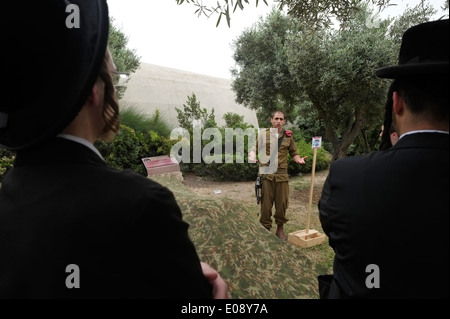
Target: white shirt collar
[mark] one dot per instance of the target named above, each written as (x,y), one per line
(81,141)
(423,131)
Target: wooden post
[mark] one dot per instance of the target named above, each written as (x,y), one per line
(308,217)
(309,237)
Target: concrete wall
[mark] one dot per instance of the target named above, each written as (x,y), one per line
(155,87)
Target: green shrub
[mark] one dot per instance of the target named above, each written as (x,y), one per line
(140,122)
(192,111)
(237,172)
(157,144)
(231,167)
(140,136)
(323,159)
(125,151)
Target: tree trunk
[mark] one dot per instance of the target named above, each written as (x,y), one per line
(342,143)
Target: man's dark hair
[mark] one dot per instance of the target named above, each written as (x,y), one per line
(111,105)
(426,95)
(278,111)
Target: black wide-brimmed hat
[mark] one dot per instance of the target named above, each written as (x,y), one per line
(424,51)
(53,51)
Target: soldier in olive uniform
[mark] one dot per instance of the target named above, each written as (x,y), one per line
(275,187)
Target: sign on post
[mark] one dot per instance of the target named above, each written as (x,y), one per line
(317,142)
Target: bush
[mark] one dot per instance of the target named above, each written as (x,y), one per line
(157,144)
(231,166)
(140,122)
(323,159)
(237,172)
(140,136)
(125,151)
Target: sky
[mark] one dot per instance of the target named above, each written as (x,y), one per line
(166,34)
(171,35)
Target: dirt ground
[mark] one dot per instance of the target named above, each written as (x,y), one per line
(300,191)
(297,213)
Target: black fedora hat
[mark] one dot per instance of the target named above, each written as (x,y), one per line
(54,50)
(424,51)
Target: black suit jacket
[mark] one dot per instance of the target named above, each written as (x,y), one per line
(61,205)
(390,209)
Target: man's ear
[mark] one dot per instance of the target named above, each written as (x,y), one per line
(94,97)
(398,105)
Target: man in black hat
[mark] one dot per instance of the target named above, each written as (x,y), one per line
(70,226)
(386,213)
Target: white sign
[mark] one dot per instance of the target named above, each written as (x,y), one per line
(317,142)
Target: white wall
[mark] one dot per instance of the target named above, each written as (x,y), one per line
(155,87)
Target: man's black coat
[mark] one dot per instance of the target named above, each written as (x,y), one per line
(386,216)
(62,205)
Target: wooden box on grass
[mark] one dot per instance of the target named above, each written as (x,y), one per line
(306,239)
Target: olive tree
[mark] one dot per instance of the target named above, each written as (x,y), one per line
(283,63)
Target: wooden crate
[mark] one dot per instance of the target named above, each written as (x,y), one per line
(303,239)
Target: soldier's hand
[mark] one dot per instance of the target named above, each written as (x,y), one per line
(252,157)
(300,160)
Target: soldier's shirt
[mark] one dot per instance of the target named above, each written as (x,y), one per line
(287,146)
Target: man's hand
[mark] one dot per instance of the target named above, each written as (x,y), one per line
(220,287)
(300,160)
(252,157)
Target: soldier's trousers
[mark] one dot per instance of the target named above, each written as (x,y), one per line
(277,193)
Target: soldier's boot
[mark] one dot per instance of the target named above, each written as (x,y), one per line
(280,232)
